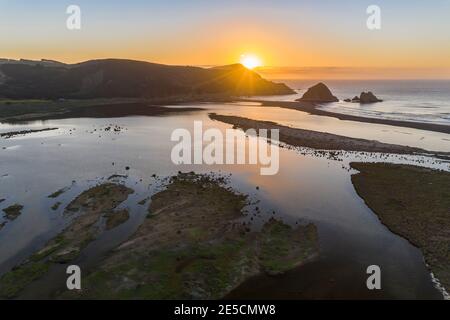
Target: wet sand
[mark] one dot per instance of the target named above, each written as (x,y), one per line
(320,140)
(311,108)
(13,134)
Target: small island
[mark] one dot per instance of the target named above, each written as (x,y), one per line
(188,247)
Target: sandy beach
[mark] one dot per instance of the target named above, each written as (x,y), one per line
(311,108)
(321,140)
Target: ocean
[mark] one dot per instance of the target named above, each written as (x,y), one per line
(411,100)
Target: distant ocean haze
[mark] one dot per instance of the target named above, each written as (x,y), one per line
(355,73)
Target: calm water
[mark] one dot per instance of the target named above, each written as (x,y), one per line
(411,100)
(434,141)
(306,189)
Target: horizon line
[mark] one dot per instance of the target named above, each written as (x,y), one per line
(237,62)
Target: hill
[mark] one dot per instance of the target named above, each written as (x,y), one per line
(112,78)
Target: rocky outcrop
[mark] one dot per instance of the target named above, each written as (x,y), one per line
(368,97)
(365,97)
(318,93)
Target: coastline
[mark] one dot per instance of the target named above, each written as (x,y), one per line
(322,140)
(34,110)
(311,108)
(68,254)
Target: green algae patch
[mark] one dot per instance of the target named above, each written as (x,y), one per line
(13,211)
(55,206)
(195,246)
(90,207)
(413,202)
(283,249)
(17,279)
(195,272)
(57,193)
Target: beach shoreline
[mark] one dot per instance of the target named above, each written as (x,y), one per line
(52,110)
(311,108)
(322,140)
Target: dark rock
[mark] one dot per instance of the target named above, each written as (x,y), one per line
(368,97)
(318,93)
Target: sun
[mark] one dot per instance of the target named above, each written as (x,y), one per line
(250,61)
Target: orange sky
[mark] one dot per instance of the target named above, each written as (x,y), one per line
(414,38)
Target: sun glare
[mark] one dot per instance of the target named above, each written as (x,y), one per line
(250,61)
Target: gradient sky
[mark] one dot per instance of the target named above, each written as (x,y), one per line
(414,34)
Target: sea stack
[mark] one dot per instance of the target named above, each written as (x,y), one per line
(318,93)
(365,97)
(368,97)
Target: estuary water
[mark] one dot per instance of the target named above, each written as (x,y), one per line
(307,188)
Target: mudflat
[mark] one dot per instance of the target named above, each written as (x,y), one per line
(413,202)
(89,208)
(194,243)
(319,140)
(311,108)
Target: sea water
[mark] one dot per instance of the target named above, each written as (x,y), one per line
(411,100)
